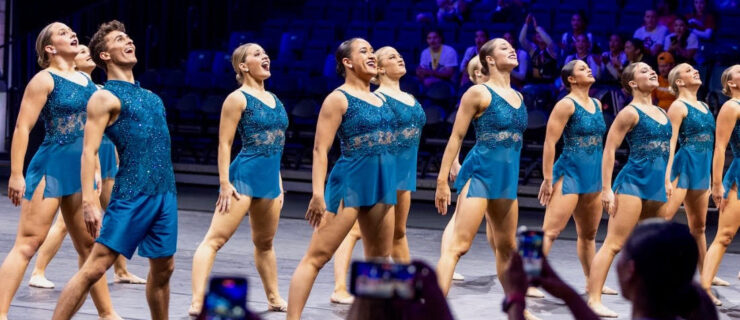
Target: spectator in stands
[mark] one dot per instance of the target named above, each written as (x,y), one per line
(636,52)
(701,20)
(508,11)
(481,37)
(662,94)
(451,10)
(614,60)
(651,33)
(519,74)
(543,52)
(438,62)
(583,52)
(666,11)
(578,23)
(682,44)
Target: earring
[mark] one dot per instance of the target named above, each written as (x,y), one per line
(54,51)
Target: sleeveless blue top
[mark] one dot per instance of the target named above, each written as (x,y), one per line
(583,143)
(365,174)
(644,174)
(492,166)
(408,122)
(255,171)
(732,176)
(58,158)
(143,141)
(692,163)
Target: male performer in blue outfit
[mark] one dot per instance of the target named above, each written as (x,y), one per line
(143,207)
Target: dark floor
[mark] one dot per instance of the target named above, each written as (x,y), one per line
(476,298)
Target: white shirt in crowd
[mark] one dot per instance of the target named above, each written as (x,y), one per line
(651,38)
(692,42)
(447,58)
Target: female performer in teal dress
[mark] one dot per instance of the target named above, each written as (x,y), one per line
(577,172)
(58,94)
(252,182)
(108,169)
(362,185)
(642,186)
(409,119)
(489,175)
(691,165)
(725,191)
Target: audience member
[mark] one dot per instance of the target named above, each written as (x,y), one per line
(543,52)
(481,36)
(614,59)
(509,11)
(451,10)
(519,74)
(437,62)
(636,52)
(666,11)
(662,94)
(682,44)
(701,20)
(651,33)
(578,24)
(583,52)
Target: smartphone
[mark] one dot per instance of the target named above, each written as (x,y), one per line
(226,299)
(529,242)
(383,280)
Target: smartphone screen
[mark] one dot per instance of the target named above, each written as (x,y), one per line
(530,249)
(226,299)
(383,280)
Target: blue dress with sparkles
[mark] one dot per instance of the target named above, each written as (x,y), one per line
(58,157)
(142,139)
(409,120)
(365,174)
(732,176)
(692,163)
(492,166)
(583,144)
(644,174)
(255,171)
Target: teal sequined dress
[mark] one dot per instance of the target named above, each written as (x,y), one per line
(644,174)
(492,166)
(408,122)
(692,163)
(365,174)
(58,158)
(255,171)
(732,176)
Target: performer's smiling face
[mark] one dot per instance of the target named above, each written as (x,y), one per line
(83,60)
(120,49)
(63,40)
(501,53)
(362,60)
(257,62)
(645,79)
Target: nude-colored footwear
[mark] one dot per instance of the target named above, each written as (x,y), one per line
(40,282)
(457,277)
(339,299)
(602,311)
(533,292)
(717,281)
(609,291)
(128,278)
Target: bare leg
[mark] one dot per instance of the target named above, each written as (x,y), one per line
(376,226)
(466,223)
(557,214)
(504,215)
(447,236)
(621,225)
(223,226)
(72,212)
(675,201)
(99,260)
(729,221)
(47,251)
(264,222)
(400,243)
(324,242)
(696,204)
(33,226)
(587,217)
(158,287)
(342,259)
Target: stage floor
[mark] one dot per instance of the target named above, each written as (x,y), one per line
(478,297)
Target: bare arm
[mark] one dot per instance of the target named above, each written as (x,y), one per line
(559,117)
(469,107)
(552,48)
(726,120)
(330,118)
(676,113)
(624,122)
(523,41)
(444,72)
(99,109)
(34,99)
(231,113)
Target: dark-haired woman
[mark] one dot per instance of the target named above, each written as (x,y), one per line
(641,186)
(682,43)
(252,182)
(572,186)
(489,175)
(362,185)
(58,94)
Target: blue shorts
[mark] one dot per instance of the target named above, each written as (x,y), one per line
(146,221)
